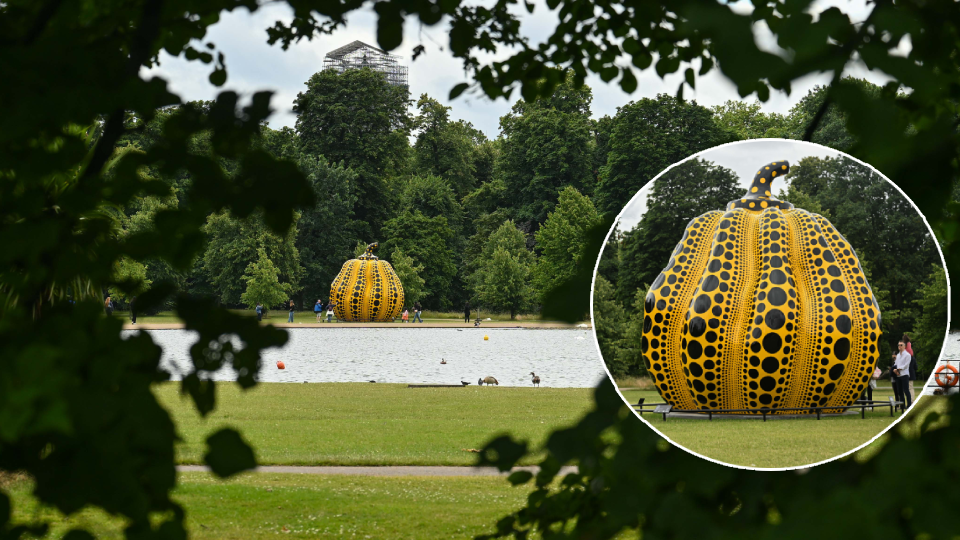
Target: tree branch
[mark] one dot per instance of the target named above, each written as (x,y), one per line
(140,49)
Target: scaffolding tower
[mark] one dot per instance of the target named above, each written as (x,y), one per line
(358,55)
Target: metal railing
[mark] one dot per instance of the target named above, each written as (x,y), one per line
(666,408)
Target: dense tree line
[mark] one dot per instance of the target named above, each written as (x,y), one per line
(442,198)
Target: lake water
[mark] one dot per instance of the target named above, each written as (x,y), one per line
(562,358)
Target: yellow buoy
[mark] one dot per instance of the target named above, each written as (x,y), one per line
(486,338)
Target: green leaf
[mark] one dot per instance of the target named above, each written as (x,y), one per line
(502,453)
(458,89)
(690,78)
(628,82)
(520,477)
(228,454)
(218,77)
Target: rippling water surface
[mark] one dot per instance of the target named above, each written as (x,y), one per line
(562,358)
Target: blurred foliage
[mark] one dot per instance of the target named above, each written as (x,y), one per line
(639,482)
(76,411)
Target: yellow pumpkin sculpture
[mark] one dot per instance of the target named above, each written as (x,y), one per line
(367,290)
(763,306)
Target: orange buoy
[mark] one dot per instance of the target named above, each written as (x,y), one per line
(280,365)
(947,379)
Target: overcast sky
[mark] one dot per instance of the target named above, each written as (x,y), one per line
(253,65)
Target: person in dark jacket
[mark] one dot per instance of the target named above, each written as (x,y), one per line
(895,381)
(466,312)
(259,311)
(292,308)
(416,312)
(133,309)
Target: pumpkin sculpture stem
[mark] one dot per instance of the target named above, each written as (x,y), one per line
(368,254)
(758,195)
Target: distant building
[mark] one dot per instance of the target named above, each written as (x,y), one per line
(358,55)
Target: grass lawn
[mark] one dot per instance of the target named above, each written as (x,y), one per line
(373,424)
(259,505)
(280,316)
(775,443)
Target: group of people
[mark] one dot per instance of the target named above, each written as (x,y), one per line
(319,309)
(108,307)
(903,370)
(405,317)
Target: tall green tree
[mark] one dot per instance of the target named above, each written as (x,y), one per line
(326,231)
(501,281)
(610,321)
(648,136)
(427,241)
(234,244)
(444,148)
(928,331)
(832,127)
(748,121)
(263,284)
(546,146)
(561,240)
(358,119)
(504,283)
(683,193)
(409,273)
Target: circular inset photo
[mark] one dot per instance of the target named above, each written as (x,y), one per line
(770,304)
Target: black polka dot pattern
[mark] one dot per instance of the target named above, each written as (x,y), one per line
(367,290)
(710,318)
(666,304)
(761,308)
(769,344)
(857,332)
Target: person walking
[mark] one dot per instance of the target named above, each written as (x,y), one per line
(318,310)
(416,312)
(108,306)
(466,312)
(902,371)
(259,311)
(292,308)
(133,309)
(406,315)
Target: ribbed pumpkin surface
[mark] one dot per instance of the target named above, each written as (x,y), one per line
(367,290)
(762,306)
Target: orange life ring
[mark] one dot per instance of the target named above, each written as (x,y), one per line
(948,379)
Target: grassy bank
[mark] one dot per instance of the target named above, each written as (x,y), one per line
(279,316)
(373,424)
(775,443)
(256,506)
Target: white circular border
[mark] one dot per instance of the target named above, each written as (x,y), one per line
(657,431)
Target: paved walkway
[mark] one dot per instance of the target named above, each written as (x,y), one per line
(405,470)
(452,324)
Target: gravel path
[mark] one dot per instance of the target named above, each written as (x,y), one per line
(405,470)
